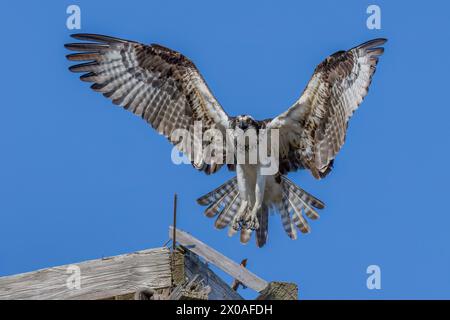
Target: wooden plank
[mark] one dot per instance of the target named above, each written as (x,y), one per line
(220,290)
(279,291)
(195,289)
(177,265)
(227,265)
(100,278)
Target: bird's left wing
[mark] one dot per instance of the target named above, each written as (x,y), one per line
(313,130)
(158,84)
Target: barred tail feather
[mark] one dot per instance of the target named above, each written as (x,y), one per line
(299,202)
(215,207)
(284,209)
(302,199)
(228,213)
(298,219)
(217,193)
(245,235)
(231,231)
(302,194)
(300,222)
(262,232)
(296,207)
(225,203)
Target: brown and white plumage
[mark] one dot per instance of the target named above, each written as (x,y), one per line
(314,128)
(166,89)
(158,84)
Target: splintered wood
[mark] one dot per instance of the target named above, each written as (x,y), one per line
(99,279)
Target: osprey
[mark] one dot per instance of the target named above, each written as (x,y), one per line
(166,89)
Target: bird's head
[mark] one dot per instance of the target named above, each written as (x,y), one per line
(244,122)
(245,132)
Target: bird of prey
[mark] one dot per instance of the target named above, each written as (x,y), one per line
(166,89)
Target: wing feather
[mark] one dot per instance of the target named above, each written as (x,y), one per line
(313,130)
(158,84)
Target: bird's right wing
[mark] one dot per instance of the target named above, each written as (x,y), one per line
(158,84)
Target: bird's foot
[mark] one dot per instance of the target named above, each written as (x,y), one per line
(251,223)
(238,221)
(236,224)
(247,220)
(250,220)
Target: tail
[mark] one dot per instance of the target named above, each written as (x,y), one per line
(224,203)
(296,202)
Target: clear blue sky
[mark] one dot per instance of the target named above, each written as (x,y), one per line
(81,179)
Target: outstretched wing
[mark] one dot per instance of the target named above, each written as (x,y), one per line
(313,130)
(158,84)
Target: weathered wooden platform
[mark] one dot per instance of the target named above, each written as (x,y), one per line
(160,273)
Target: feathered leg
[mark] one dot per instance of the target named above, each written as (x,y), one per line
(251,219)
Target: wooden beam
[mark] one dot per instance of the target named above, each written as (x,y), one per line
(195,289)
(177,265)
(101,278)
(220,290)
(279,291)
(212,256)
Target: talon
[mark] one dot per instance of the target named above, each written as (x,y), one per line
(238,222)
(252,223)
(251,219)
(256,224)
